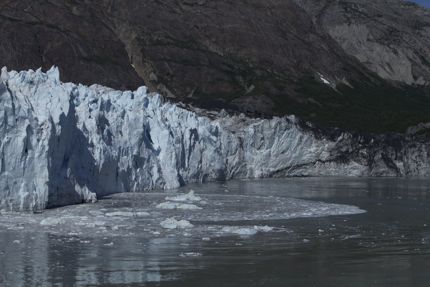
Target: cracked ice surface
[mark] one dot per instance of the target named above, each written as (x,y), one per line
(62,144)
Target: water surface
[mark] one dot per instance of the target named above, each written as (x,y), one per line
(389,245)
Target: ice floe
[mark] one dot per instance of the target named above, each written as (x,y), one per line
(51,221)
(138,214)
(190,254)
(177,205)
(243,230)
(172,223)
(189,197)
(127,213)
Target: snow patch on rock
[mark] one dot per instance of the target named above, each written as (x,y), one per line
(324,79)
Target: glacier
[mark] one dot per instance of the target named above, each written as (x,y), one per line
(66,143)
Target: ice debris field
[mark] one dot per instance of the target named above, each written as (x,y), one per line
(180,214)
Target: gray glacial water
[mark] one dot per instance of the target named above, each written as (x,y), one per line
(244,233)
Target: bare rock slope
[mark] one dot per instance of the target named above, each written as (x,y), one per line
(391,38)
(361,65)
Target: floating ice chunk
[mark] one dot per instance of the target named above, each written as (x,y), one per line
(190,254)
(189,197)
(176,205)
(354,236)
(264,228)
(16,242)
(172,223)
(246,230)
(127,214)
(239,230)
(94,224)
(51,221)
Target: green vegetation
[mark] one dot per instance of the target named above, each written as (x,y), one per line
(365,107)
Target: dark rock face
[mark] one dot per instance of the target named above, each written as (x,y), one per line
(44,33)
(223,50)
(360,65)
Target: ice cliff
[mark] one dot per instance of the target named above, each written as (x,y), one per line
(62,143)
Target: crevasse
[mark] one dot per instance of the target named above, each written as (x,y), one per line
(63,143)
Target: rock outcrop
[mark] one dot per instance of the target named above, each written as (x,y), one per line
(62,143)
(389,37)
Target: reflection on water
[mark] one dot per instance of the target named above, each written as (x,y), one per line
(383,188)
(43,258)
(387,246)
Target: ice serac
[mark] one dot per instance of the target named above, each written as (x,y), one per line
(63,143)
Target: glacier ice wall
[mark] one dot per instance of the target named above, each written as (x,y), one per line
(63,143)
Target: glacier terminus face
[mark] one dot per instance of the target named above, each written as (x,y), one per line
(62,143)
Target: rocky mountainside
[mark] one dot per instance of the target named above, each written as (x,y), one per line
(391,38)
(361,65)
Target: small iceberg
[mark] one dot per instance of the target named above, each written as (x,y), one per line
(50,221)
(172,223)
(246,231)
(188,197)
(126,214)
(177,206)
